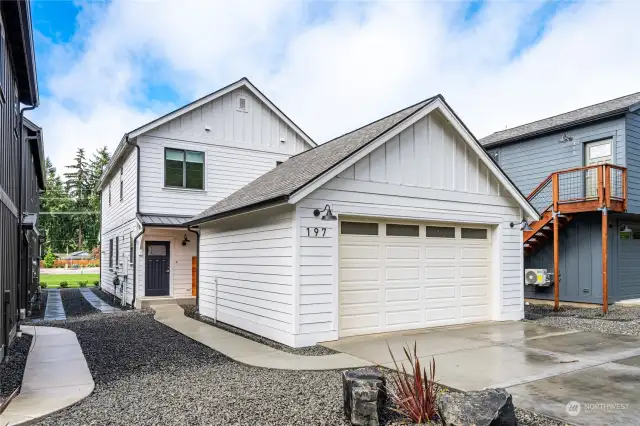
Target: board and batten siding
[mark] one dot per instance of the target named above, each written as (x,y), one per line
(633,161)
(119,221)
(529,162)
(246,273)
(427,173)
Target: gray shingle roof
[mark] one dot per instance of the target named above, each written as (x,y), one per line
(299,170)
(163,220)
(586,114)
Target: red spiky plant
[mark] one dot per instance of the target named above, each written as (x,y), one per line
(414,393)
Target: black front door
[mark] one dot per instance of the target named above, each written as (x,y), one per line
(157,268)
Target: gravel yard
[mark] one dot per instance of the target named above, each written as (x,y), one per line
(75,304)
(190,311)
(619,319)
(148,374)
(12,369)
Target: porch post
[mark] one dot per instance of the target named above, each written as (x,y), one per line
(605,249)
(556,242)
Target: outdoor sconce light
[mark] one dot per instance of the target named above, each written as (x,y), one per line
(327,216)
(524,226)
(185,240)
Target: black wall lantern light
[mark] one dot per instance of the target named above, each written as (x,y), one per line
(185,240)
(327,216)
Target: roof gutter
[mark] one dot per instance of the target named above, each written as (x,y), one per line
(610,114)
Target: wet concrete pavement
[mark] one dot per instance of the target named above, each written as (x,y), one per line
(544,368)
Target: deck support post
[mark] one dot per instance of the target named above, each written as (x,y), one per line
(555,181)
(605,260)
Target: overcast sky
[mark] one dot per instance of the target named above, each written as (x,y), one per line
(107,67)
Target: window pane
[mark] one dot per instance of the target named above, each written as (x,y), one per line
(195,170)
(597,151)
(394,230)
(473,233)
(359,228)
(156,250)
(441,232)
(173,172)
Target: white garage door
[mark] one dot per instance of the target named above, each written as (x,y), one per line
(398,276)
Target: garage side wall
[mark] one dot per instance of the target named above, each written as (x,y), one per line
(427,173)
(246,273)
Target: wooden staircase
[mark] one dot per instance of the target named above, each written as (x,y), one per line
(567,193)
(542,231)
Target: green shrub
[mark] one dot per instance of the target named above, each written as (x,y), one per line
(49,258)
(83,283)
(43,285)
(64,284)
(96,283)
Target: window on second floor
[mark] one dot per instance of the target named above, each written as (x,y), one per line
(183,169)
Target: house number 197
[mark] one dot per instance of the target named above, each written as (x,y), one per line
(316,232)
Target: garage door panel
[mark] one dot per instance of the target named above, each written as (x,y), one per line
(403,295)
(442,292)
(359,252)
(403,252)
(359,297)
(409,317)
(359,274)
(440,272)
(390,283)
(440,252)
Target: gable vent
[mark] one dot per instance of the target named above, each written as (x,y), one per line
(242,104)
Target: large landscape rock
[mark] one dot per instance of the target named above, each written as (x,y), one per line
(364,396)
(489,407)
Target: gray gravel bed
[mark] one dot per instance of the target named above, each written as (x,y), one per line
(148,374)
(75,304)
(190,311)
(108,298)
(12,369)
(619,319)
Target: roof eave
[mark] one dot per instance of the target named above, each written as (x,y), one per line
(550,130)
(272,202)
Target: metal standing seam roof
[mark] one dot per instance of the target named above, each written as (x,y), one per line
(586,114)
(162,220)
(290,176)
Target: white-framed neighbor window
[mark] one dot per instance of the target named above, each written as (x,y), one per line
(183,169)
(243,104)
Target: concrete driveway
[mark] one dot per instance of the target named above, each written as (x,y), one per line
(544,368)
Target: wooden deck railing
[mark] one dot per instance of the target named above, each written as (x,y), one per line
(582,189)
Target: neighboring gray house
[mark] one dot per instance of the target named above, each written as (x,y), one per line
(573,147)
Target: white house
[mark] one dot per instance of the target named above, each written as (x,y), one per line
(425,232)
(174,167)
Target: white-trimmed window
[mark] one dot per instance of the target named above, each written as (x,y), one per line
(183,169)
(243,104)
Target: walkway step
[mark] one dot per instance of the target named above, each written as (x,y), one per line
(46,387)
(54,309)
(247,351)
(96,302)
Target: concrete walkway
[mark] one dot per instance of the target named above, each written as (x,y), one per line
(248,351)
(56,376)
(54,309)
(96,302)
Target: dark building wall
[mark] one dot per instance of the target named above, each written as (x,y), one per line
(9,160)
(632,127)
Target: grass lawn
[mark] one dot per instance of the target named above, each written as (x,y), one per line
(54,280)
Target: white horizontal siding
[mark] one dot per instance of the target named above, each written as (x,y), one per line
(252,260)
(124,266)
(120,211)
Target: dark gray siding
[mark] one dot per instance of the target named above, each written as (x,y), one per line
(580,261)
(528,163)
(633,161)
